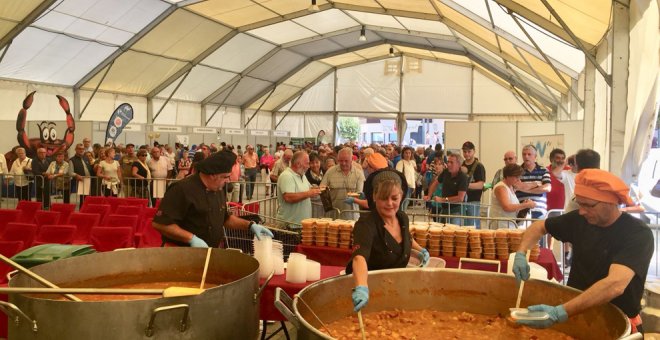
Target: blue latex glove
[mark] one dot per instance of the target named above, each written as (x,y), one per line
(360,297)
(362,196)
(424,257)
(520,267)
(349,200)
(197,242)
(260,230)
(557,314)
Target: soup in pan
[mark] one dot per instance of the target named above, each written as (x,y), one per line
(429,324)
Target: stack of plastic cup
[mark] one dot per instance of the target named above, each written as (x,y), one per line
(296,268)
(263,252)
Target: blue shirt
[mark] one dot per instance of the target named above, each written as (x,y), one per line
(539,174)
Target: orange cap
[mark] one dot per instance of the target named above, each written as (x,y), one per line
(602,186)
(377,161)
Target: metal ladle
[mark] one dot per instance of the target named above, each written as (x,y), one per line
(35,276)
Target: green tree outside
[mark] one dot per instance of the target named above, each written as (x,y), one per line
(349,128)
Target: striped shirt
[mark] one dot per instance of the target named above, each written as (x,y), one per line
(538,174)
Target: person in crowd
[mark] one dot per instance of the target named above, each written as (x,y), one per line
(315,175)
(454,187)
(612,250)
(535,183)
(395,155)
(555,196)
(160,171)
(194,210)
(375,161)
(584,159)
(381,237)
(126,161)
(21,169)
(94,181)
(142,174)
(476,173)
(365,152)
(250,162)
(266,162)
(57,174)
(342,180)
(509,158)
(87,144)
(235,187)
(81,170)
(3,171)
(110,172)
(205,150)
(166,151)
(330,161)
(294,191)
(281,164)
(408,167)
(184,166)
(39,167)
(504,202)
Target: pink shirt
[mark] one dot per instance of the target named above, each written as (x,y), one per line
(268,160)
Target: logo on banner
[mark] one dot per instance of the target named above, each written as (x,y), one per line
(117,122)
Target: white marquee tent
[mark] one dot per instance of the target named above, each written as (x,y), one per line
(287,65)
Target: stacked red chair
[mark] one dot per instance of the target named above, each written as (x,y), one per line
(55,233)
(111,238)
(7,216)
(65,210)
(148,237)
(114,220)
(28,208)
(95,200)
(102,209)
(84,223)
(43,217)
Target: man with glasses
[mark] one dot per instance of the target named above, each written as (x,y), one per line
(509,158)
(342,179)
(80,169)
(612,250)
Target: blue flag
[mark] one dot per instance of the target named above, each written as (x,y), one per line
(119,119)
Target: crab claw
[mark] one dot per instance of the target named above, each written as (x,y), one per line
(64,103)
(27,102)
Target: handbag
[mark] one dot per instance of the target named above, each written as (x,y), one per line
(326,200)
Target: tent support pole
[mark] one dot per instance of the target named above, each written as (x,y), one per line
(107,70)
(260,106)
(590,57)
(547,60)
(170,96)
(530,107)
(287,112)
(223,100)
(5,50)
(538,76)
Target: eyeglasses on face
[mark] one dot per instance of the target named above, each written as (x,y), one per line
(509,158)
(585,205)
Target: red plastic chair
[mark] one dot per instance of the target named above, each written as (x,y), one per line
(94,200)
(111,238)
(129,210)
(141,202)
(43,217)
(148,237)
(8,249)
(65,210)
(84,223)
(252,207)
(50,233)
(114,220)
(102,209)
(17,231)
(7,216)
(114,202)
(28,208)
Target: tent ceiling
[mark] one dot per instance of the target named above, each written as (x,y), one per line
(255,53)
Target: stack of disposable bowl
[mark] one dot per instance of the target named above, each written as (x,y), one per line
(474,239)
(308,226)
(515,237)
(333,233)
(263,252)
(422,236)
(502,243)
(345,234)
(535,253)
(313,270)
(278,257)
(488,244)
(435,238)
(321,236)
(461,242)
(296,268)
(447,242)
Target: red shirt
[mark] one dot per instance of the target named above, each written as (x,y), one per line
(556,196)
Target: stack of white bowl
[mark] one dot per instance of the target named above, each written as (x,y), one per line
(263,252)
(278,257)
(313,270)
(296,268)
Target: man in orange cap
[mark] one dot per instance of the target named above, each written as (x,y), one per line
(612,250)
(374,161)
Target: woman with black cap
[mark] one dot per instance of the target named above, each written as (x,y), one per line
(381,237)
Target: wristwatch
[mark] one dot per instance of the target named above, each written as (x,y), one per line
(446,199)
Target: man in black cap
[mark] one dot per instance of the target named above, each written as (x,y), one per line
(476,173)
(194,210)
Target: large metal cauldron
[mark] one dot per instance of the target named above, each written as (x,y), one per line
(230,311)
(444,290)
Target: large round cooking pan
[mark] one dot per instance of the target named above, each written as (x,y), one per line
(444,290)
(228,311)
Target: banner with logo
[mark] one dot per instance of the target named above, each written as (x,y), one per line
(118,120)
(543,144)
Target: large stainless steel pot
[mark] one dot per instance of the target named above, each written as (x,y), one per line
(230,311)
(443,290)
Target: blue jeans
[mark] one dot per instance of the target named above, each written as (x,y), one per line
(406,200)
(472,209)
(251,175)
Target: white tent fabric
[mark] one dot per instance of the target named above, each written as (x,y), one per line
(367,88)
(439,87)
(491,98)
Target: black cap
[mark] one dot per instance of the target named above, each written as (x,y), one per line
(217,163)
(468,146)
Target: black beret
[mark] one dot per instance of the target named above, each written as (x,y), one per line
(217,163)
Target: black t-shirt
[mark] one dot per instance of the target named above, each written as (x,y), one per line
(628,242)
(452,185)
(142,172)
(478,175)
(376,244)
(188,204)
